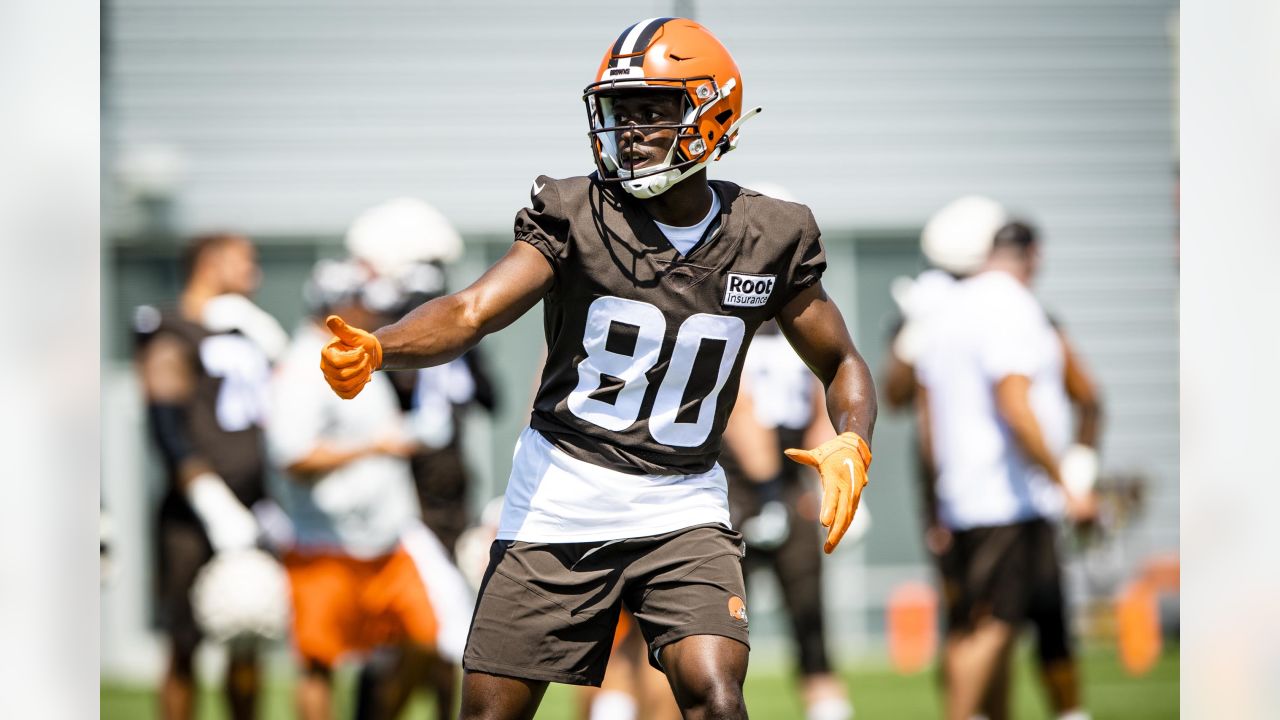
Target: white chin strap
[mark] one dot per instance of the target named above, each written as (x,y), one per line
(654,185)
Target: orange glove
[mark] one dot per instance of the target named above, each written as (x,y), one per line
(842,464)
(348,361)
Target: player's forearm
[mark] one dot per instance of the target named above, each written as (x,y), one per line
(442,329)
(1088,423)
(928,470)
(1026,432)
(1014,407)
(169,425)
(324,458)
(900,383)
(851,398)
(190,468)
(432,334)
(1084,396)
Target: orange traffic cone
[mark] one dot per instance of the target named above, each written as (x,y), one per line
(912,627)
(1138,627)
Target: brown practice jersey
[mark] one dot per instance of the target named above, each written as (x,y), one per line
(225,413)
(644,345)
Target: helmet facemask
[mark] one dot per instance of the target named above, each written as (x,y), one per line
(674,55)
(687,153)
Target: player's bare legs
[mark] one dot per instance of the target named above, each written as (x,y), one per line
(656,700)
(493,697)
(242,681)
(618,694)
(1062,681)
(996,704)
(822,688)
(391,674)
(631,688)
(177,692)
(419,667)
(706,673)
(315,694)
(442,679)
(972,661)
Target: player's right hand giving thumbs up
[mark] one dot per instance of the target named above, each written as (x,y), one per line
(348,361)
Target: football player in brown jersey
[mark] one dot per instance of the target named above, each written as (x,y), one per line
(653,281)
(205,387)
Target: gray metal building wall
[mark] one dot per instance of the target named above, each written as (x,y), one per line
(293,115)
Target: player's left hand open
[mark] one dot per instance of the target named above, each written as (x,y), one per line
(348,361)
(842,464)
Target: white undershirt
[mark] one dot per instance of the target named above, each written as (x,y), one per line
(554,497)
(684,238)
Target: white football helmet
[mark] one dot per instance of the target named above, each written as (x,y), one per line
(959,237)
(241,594)
(400,232)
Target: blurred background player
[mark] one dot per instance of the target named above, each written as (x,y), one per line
(1078,467)
(409,242)
(204,368)
(996,413)
(775,503)
(956,242)
(366,575)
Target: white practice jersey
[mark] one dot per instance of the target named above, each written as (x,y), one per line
(781,385)
(992,327)
(362,507)
(920,301)
(438,390)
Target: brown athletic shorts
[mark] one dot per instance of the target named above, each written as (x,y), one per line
(999,571)
(548,611)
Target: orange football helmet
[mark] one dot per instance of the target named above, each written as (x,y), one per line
(673,55)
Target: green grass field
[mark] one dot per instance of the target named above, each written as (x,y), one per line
(1110,693)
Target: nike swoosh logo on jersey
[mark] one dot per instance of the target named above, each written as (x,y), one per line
(537,188)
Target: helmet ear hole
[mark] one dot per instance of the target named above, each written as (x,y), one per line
(724,116)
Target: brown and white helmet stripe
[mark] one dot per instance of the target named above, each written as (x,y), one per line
(628,50)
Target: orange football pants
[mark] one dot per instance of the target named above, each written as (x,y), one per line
(346,605)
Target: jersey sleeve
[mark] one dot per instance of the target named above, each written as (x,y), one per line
(543,224)
(809,261)
(1008,349)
